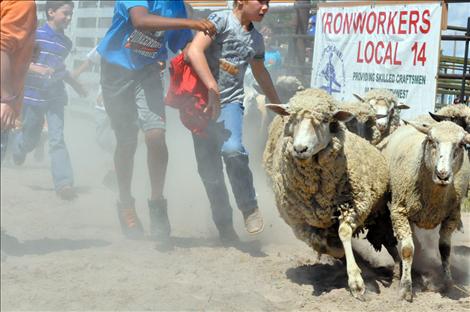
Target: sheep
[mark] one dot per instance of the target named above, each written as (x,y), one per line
(458,113)
(364,121)
(329,184)
(387,108)
(429,177)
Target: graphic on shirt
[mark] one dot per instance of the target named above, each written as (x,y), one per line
(228,67)
(145,43)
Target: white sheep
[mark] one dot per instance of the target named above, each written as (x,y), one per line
(387,108)
(429,177)
(328,183)
(364,121)
(459,114)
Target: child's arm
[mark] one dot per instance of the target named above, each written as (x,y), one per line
(263,78)
(198,61)
(82,68)
(76,85)
(143,20)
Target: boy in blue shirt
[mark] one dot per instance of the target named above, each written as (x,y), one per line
(45,96)
(133,53)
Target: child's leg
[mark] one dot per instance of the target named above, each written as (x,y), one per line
(210,168)
(28,137)
(151,115)
(236,162)
(118,86)
(61,166)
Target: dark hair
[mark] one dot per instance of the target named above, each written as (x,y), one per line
(54,5)
(235,3)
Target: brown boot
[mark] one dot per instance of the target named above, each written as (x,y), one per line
(130,224)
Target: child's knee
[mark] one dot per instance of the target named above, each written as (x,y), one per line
(232,148)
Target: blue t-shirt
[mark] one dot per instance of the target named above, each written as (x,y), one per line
(272,59)
(312,23)
(125,46)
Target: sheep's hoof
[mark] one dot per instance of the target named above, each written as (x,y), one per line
(405,292)
(448,284)
(358,289)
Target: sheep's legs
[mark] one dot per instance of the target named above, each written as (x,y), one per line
(393,251)
(402,229)
(355,281)
(407,251)
(444,249)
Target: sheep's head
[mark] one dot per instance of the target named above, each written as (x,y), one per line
(287,87)
(364,119)
(463,121)
(444,149)
(385,105)
(312,121)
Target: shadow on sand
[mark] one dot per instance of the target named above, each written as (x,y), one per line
(253,248)
(327,277)
(13,247)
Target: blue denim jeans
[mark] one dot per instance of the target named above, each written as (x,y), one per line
(28,138)
(224,141)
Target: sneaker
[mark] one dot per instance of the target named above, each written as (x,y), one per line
(66,192)
(130,224)
(254,222)
(159,223)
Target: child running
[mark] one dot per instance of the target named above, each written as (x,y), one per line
(45,96)
(133,53)
(221,62)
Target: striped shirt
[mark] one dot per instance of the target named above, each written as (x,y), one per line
(53,47)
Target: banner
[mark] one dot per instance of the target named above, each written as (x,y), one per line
(393,46)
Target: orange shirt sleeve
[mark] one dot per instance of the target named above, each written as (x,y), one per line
(17,32)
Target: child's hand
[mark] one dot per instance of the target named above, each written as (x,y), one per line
(7,116)
(42,70)
(213,105)
(205,26)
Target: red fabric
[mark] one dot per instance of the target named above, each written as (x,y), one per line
(188,94)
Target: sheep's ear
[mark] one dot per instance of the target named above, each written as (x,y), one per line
(280,109)
(401,106)
(357,96)
(343,116)
(440,118)
(421,127)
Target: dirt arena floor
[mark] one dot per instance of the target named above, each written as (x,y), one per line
(60,255)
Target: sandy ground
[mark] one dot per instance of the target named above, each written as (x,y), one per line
(71,256)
